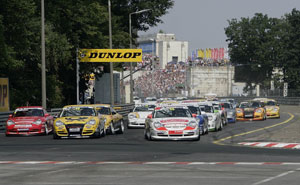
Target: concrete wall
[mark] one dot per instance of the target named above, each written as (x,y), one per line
(202,80)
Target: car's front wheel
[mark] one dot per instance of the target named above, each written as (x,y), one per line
(55,136)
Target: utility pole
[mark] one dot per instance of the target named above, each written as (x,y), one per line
(43,66)
(112,96)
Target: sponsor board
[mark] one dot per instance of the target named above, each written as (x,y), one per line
(4,95)
(110,55)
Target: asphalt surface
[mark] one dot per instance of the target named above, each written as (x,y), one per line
(131,146)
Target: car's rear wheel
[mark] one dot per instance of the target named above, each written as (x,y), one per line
(121,128)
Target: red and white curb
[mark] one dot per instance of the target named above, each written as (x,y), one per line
(272,145)
(143,163)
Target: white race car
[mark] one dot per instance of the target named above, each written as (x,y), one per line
(172,123)
(214,118)
(136,119)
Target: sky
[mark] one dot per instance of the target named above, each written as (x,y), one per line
(202,22)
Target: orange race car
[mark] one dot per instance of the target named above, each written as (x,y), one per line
(251,110)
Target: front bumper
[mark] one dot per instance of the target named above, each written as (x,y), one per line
(164,135)
(212,125)
(64,131)
(25,131)
(273,115)
(136,123)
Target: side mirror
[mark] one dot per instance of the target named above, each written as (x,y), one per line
(46,115)
(10,116)
(277,104)
(150,116)
(194,115)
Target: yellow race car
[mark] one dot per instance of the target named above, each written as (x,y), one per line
(78,121)
(273,110)
(113,121)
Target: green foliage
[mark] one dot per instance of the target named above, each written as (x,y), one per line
(260,44)
(70,24)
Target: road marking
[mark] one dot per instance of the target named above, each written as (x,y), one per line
(275,177)
(182,163)
(272,145)
(218,142)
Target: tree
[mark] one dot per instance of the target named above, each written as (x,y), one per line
(251,44)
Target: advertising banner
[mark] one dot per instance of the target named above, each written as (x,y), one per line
(110,55)
(4,95)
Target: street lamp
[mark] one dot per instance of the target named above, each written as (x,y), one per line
(130,38)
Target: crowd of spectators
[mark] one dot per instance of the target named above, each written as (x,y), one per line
(209,62)
(160,82)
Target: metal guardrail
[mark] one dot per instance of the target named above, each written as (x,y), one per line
(124,111)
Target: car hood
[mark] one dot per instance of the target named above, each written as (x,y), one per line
(143,114)
(75,119)
(25,120)
(173,120)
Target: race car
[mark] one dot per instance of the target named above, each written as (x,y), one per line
(113,121)
(29,120)
(171,123)
(251,110)
(214,118)
(221,110)
(78,121)
(230,111)
(272,108)
(137,118)
(201,117)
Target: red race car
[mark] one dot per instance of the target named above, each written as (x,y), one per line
(30,120)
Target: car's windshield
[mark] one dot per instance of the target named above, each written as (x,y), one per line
(216,107)
(226,105)
(103,110)
(207,108)
(254,104)
(78,111)
(172,112)
(141,109)
(244,105)
(28,112)
(271,103)
(195,110)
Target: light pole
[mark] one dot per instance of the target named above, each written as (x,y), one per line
(112,96)
(43,66)
(130,44)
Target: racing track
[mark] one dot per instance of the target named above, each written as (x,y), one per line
(132,147)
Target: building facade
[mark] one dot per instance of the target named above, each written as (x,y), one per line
(165,47)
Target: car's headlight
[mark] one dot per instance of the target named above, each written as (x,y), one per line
(59,123)
(258,111)
(192,124)
(38,122)
(275,109)
(91,122)
(10,122)
(131,116)
(157,124)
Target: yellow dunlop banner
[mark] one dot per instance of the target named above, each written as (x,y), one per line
(4,95)
(110,55)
